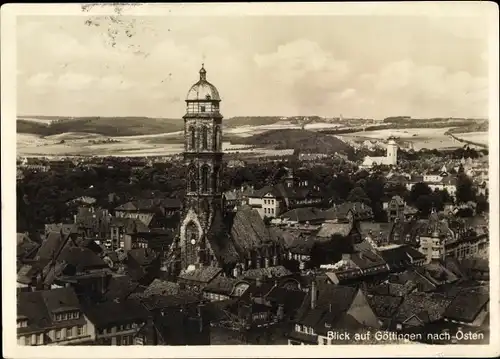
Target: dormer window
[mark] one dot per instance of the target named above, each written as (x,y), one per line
(66,316)
(22,323)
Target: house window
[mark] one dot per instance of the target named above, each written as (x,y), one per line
(22,323)
(40,339)
(202,108)
(297,328)
(69,332)
(58,334)
(28,340)
(81,330)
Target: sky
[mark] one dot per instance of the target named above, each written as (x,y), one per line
(354,66)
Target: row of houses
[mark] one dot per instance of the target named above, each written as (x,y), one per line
(390,307)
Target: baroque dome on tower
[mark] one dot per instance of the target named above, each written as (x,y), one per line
(203,90)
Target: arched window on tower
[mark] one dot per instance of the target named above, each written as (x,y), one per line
(216,138)
(193,138)
(204,178)
(192,179)
(205,138)
(215,179)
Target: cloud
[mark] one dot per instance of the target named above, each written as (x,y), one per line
(115,83)
(304,74)
(39,80)
(425,90)
(374,72)
(299,59)
(347,93)
(75,81)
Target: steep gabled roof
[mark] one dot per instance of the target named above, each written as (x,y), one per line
(112,313)
(304,214)
(162,287)
(415,303)
(266,190)
(81,258)
(120,287)
(221,285)
(468,304)
(269,272)
(332,301)
(249,231)
(60,298)
(202,274)
(384,306)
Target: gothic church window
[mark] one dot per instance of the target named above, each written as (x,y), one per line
(205,138)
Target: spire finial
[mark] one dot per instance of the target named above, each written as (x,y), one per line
(203,72)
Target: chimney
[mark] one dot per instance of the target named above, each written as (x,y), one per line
(314,294)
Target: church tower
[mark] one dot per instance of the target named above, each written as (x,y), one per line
(203,161)
(392,152)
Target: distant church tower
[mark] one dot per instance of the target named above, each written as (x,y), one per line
(203,161)
(392,152)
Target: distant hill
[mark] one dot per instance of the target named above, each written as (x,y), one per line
(251,121)
(106,126)
(271,120)
(473,127)
(301,140)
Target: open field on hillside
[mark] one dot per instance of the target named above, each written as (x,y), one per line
(90,145)
(477,137)
(429,138)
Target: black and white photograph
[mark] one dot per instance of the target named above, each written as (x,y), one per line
(250,174)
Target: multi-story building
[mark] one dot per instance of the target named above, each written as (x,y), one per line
(117,323)
(52,317)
